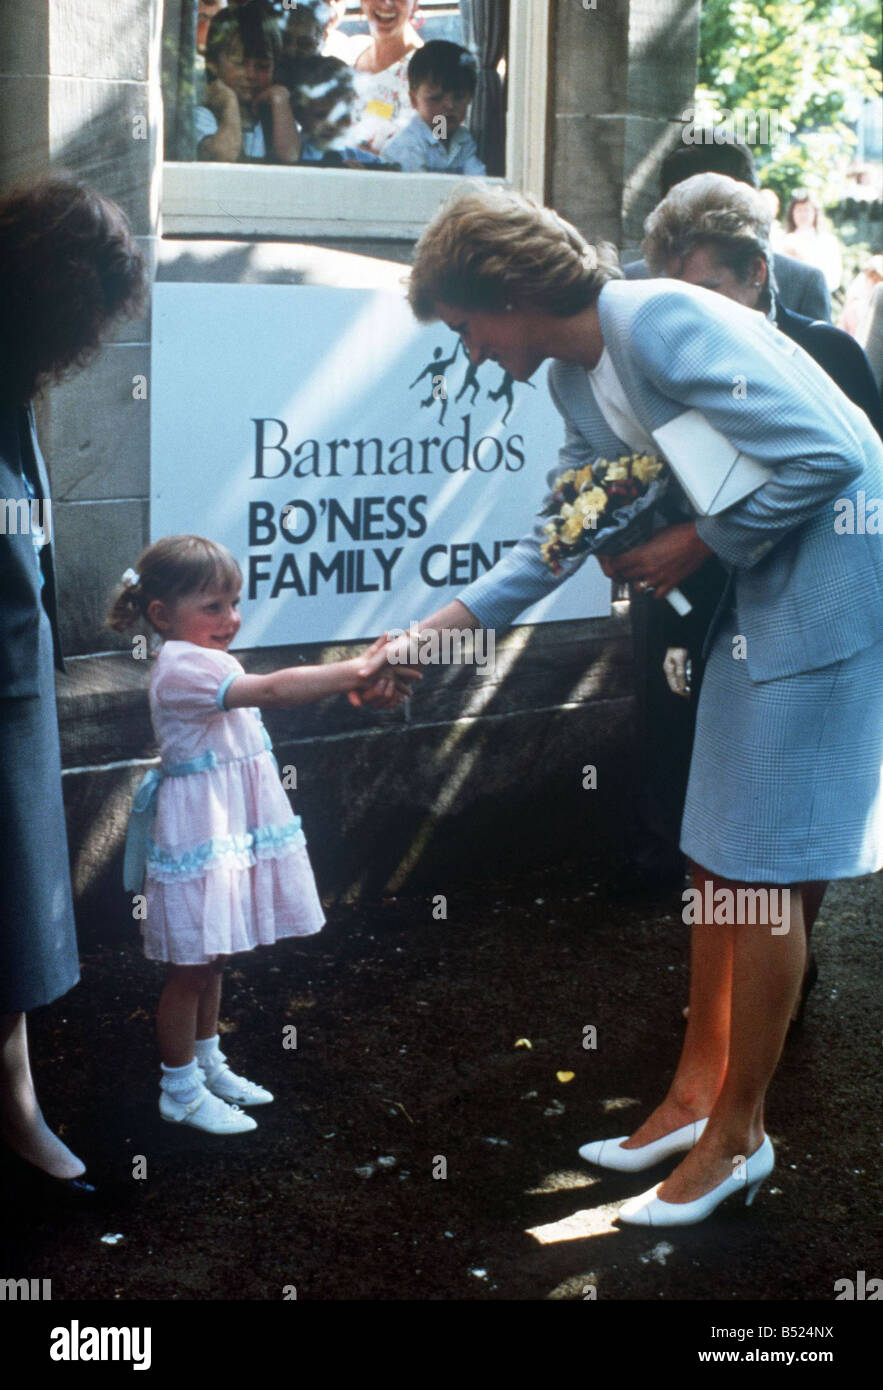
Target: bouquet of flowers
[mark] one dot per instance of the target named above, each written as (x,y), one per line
(605,508)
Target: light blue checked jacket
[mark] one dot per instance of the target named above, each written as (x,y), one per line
(806,596)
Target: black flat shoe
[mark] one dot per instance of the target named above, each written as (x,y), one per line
(28,1177)
(809,981)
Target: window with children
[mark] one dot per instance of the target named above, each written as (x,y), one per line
(278,112)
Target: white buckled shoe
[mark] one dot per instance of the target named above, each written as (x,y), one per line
(650,1210)
(206,1112)
(609,1153)
(222,1082)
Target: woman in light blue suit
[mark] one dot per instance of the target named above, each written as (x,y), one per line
(785,781)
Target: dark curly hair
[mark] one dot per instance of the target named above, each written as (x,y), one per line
(69,268)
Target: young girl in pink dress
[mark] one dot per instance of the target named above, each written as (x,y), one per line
(213,839)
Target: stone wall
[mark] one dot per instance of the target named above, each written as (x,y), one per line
(623,73)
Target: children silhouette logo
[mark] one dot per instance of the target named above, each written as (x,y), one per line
(437,370)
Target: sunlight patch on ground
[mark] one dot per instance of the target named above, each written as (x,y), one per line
(565,1180)
(659,1254)
(594,1221)
(583,1286)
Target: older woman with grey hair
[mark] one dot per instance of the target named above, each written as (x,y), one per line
(713,231)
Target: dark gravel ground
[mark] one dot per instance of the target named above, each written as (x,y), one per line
(407,1066)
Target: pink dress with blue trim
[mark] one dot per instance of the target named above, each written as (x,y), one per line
(226,861)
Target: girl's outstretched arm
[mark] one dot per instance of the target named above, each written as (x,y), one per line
(301,685)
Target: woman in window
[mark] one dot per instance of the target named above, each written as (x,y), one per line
(383,102)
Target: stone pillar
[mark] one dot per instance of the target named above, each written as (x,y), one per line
(79,91)
(625,70)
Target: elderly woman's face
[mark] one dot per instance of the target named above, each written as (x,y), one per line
(702,267)
(387,17)
(508,338)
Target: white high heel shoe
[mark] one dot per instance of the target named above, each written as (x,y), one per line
(650,1210)
(608,1153)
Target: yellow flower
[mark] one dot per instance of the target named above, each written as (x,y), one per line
(591,502)
(617,472)
(645,468)
(573,523)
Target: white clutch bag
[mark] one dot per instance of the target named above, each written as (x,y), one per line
(713,472)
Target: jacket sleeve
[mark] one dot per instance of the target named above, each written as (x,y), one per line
(521,577)
(769,399)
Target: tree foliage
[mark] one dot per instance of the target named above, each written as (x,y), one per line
(812,61)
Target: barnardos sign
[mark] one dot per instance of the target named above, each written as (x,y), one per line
(355,462)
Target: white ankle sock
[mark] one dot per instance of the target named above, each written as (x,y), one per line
(208,1052)
(181,1082)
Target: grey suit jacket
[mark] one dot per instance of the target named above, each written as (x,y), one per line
(800,287)
(806,594)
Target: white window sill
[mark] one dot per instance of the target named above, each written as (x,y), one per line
(237,200)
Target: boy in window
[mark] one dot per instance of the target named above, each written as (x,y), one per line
(442,78)
(246,114)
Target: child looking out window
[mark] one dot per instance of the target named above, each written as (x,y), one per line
(246,114)
(441,78)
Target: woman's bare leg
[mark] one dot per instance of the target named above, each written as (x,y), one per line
(703,1061)
(767,970)
(21,1119)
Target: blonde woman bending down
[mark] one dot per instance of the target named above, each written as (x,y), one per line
(785,778)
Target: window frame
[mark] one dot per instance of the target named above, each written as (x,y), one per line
(254,200)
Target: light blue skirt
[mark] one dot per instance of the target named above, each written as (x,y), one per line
(786,778)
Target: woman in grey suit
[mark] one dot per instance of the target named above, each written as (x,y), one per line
(68,269)
(785,781)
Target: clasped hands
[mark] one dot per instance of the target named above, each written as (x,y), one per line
(384,682)
(661,563)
